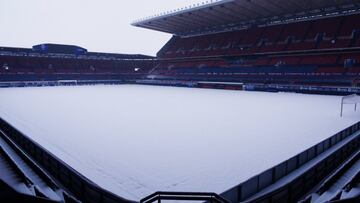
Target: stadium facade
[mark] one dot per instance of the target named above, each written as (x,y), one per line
(254,45)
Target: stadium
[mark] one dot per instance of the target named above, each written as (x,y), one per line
(249,101)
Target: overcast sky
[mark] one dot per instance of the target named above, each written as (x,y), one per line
(98,25)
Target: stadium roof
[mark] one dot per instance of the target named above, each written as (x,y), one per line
(219,15)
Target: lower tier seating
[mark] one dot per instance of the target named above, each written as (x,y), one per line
(21,68)
(337,69)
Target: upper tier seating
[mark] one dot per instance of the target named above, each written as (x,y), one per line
(321,34)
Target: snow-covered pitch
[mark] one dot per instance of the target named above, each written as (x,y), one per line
(135,140)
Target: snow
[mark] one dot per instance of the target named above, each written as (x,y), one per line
(135,140)
(12,178)
(353,193)
(306,167)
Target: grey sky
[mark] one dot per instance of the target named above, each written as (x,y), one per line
(98,25)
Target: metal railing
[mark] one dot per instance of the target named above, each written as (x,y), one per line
(81,187)
(87,191)
(295,189)
(184,196)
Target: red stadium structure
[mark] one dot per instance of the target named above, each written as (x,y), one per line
(254,45)
(318,50)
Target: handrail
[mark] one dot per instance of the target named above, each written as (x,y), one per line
(286,187)
(15,167)
(297,188)
(271,54)
(333,178)
(184,196)
(38,170)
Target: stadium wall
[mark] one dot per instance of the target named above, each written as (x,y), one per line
(343,144)
(81,187)
(306,89)
(330,152)
(60,83)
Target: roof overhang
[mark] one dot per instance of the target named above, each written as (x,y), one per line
(218,15)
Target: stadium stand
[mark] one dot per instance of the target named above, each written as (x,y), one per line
(50,62)
(324,52)
(327,33)
(305,46)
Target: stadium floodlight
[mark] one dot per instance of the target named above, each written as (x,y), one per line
(6,67)
(350,99)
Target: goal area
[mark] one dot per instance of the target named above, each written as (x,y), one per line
(350,99)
